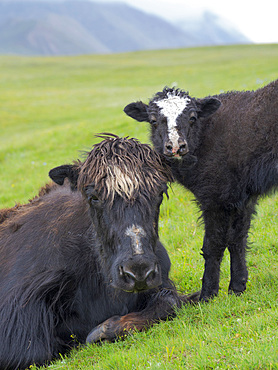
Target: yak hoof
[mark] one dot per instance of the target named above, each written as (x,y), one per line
(208,297)
(191,298)
(238,287)
(236,292)
(104,331)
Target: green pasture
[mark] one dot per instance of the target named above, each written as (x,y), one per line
(50,110)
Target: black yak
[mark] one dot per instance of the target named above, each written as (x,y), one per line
(224,148)
(83,261)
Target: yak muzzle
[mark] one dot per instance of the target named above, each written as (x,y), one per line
(138,274)
(180,149)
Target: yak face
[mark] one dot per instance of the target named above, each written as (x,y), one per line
(123,182)
(175,118)
(128,234)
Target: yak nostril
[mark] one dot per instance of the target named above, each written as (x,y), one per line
(169,147)
(126,273)
(129,274)
(183,148)
(151,273)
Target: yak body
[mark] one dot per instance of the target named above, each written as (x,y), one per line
(52,289)
(227,149)
(80,254)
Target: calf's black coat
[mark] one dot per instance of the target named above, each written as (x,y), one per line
(228,157)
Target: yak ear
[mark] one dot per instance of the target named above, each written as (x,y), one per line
(207,106)
(138,111)
(58,174)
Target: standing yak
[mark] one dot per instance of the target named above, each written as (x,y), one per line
(224,149)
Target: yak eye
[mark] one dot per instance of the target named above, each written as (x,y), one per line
(192,119)
(91,194)
(94,198)
(153,120)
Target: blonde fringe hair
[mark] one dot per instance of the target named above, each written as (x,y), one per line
(123,166)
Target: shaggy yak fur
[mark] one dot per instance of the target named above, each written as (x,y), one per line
(83,261)
(224,149)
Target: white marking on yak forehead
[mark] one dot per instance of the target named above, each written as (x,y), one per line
(171,108)
(135,233)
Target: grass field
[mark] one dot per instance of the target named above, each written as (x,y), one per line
(50,109)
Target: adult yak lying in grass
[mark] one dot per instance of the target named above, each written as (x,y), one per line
(227,149)
(84,260)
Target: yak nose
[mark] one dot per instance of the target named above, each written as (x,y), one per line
(181,148)
(140,275)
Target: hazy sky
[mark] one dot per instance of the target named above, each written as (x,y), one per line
(258,20)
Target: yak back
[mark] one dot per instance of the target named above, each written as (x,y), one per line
(238,151)
(245,124)
(48,233)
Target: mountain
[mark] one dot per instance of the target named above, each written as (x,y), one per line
(210,29)
(71,27)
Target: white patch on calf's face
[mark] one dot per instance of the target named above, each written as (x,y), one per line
(135,233)
(171,107)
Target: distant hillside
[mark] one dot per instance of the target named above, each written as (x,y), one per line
(85,27)
(209,29)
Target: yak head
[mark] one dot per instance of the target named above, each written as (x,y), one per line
(123,182)
(175,119)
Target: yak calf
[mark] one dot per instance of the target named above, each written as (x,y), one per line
(224,149)
(84,260)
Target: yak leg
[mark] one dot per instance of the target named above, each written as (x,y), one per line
(161,305)
(216,227)
(237,243)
